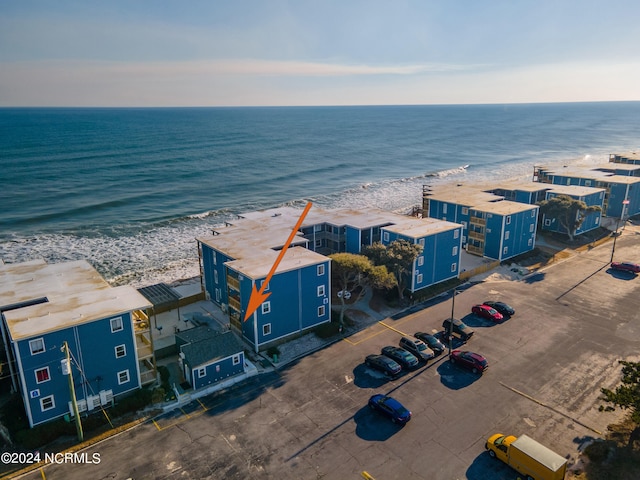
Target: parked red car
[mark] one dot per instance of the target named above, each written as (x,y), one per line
(626,267)
(485,311)
(473,361)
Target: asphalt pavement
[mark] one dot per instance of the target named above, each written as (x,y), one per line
(574,320)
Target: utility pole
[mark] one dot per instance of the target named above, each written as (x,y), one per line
(450,328)
(66,370)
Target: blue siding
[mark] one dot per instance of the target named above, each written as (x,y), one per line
(510,235)
(216,371)
(440,257)
(92,348)
(354,241)
(294,304)
(213,263)
(592,220)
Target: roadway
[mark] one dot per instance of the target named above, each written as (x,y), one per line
(574,320)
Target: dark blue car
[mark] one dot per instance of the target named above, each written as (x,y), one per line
(391,408)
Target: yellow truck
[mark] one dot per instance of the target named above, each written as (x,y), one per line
(528,457)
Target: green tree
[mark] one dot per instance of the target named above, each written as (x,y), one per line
(397,257)
(627,395)
(569,212)
(351,272)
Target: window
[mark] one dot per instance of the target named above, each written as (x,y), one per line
(236,359)
(36,346)
(266,287)
(317,228)
(505,250)
(547,222)
(419,279)
(320,270)
(202,372)
(116,324)
(266,307)
(215,258)
(454,267)
(321,290)
(385,236)
(266,329)
(456,234)
(464,224)
(587,183)
(123,377)
(321,311)
(420,261)
(533,213)
(47,403)
(531,228)
(530,242)
(454,251)
(597,220)
(121,351)
(508,219)
(506,235)
(421,242)
(318,243)
(215,276)
(465,210)
(42,375)
(444,208)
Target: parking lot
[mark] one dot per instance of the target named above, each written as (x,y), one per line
(574,320)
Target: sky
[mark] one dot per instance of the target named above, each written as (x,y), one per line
(120,53)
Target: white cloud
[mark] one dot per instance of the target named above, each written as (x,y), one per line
(260,82)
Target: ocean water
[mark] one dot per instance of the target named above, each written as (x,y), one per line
(130,189)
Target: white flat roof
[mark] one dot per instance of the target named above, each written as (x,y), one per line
(75,293)
(503,207)
(462,194)
(259,265)
(252,239)
(574,190)
(421,227)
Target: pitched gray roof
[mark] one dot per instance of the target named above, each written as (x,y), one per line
(208,346)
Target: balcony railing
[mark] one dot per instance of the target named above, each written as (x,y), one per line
(147,376)
(234,303)
(476,235)
(233,282)
(475,250)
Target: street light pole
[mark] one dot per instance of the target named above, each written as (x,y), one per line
(625,202)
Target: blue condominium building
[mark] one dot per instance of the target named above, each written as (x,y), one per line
(239,256)
(621,184)
(492,226)
(46,307)
(535,192)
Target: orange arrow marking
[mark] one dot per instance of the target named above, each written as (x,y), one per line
(258,296)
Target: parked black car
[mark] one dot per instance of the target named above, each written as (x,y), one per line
(458,327)
(432,342)
(501,307)
(405,359)
(383,364)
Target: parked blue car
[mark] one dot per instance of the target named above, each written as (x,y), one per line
(390,407)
